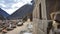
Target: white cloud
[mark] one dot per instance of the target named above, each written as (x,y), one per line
(2,1)
(10,11)
(17,0)
(27,1)
(15,6)
(21,3)
(3,5)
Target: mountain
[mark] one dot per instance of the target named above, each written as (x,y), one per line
(22,12)
(3,13)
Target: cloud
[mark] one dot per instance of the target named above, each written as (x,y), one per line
(21,3)
(27,1)
(3,5)
(2,1)
(10,11)
(11,7)
(17,0)
(17,5)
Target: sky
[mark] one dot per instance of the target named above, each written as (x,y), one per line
(10,6)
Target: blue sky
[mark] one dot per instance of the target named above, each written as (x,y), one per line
(10,6)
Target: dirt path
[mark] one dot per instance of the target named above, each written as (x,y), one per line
(18,29)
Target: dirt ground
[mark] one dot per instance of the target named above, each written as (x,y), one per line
(18,29)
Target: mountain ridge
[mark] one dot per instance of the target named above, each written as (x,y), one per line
(3,13)
(21,12)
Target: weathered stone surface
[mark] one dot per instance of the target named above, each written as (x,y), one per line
(37,24)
